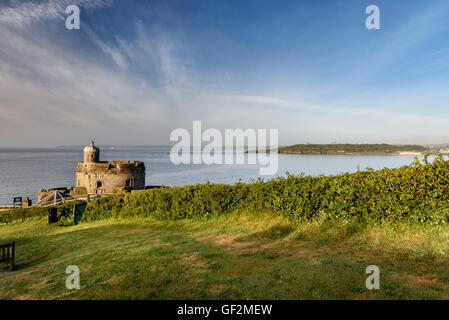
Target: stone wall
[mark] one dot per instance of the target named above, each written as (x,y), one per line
(44,193)
(107,178)
(73,191)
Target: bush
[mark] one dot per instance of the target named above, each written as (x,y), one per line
(22,214)
(419,192)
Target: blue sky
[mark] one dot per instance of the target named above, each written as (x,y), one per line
(136,70)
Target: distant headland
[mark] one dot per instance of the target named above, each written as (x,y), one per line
(360,149)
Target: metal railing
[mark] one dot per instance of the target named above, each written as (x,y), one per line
(8,254)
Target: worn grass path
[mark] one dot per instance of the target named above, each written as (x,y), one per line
(241,256)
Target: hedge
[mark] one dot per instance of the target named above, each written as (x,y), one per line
(418,192)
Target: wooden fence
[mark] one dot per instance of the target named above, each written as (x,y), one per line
(7,254)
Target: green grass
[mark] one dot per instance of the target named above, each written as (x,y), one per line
(238,256)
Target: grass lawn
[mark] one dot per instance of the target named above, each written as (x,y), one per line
(239,256)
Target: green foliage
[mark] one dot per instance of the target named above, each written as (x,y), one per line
(349,148)
(65,210)
(416,193)
(199,201)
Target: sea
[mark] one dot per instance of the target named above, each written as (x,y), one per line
(24,171)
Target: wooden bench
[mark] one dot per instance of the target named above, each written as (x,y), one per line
(7,254)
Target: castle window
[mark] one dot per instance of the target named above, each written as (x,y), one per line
(99,184)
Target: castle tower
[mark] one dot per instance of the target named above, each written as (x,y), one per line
(91,153)
(97,177)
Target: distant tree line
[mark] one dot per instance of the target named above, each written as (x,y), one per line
(349,148)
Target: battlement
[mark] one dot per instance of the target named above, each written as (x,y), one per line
(127,164)
(114,167)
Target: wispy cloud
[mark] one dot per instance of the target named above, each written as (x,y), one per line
(46,89)
(399,41)
(19,14)
(49,95)
(113,52)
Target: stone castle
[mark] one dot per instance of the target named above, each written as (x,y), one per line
(101,177)
(95,177)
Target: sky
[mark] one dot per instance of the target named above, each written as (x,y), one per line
(136,70)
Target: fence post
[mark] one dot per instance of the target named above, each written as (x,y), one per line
(8,257)
(13,250)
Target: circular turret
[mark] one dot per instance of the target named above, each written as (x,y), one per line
(91,153)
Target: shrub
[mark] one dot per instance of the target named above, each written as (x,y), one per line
(418,192)
(22,214)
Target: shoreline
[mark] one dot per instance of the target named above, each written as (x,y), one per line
(362,154)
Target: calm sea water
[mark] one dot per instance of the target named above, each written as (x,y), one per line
(24,171)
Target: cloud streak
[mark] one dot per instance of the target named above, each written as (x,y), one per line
(135,88)
(22,14)
(47,91)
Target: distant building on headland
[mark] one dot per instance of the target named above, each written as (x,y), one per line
(95,177)
(410,153)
